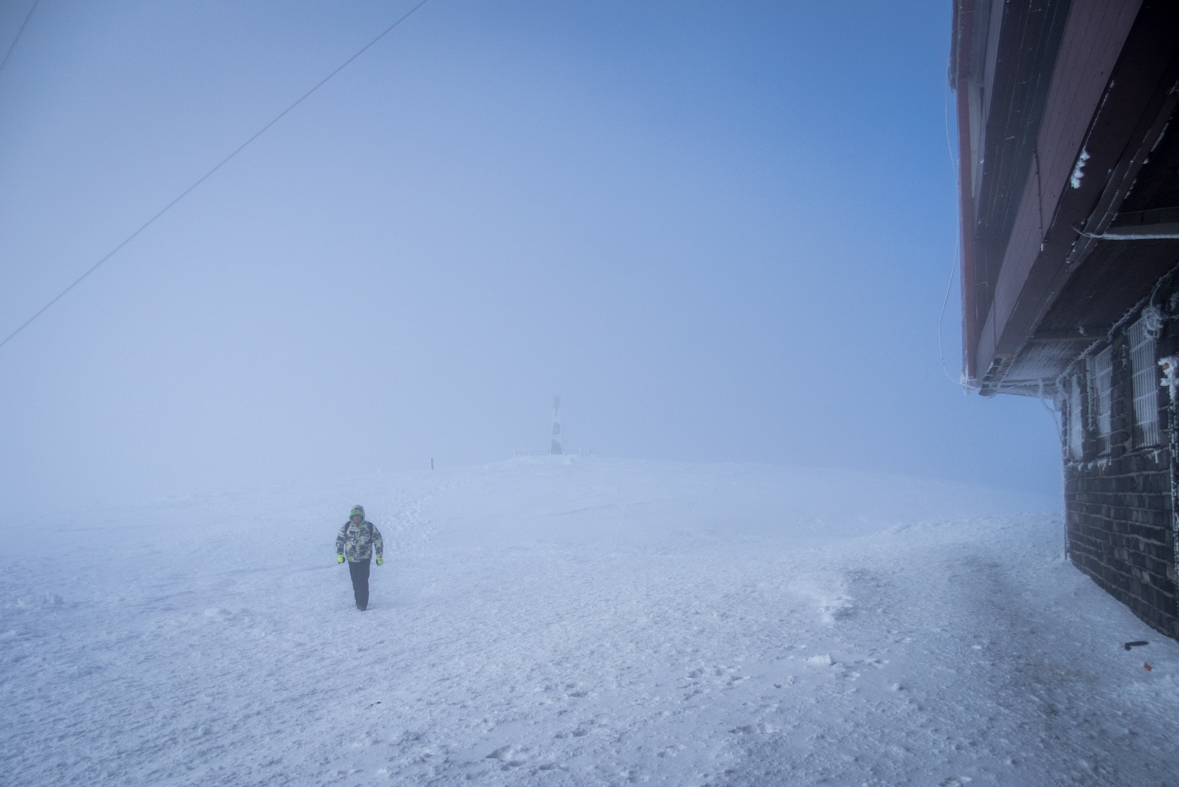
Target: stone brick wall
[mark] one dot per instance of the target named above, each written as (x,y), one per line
(1119,529)
(1118,504)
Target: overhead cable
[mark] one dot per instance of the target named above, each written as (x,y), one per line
(206,176)
(12,46)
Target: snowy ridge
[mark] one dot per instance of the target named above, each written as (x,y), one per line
(574,622)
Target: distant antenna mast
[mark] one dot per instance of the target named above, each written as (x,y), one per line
(555,448)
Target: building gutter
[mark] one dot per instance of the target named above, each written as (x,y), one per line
(1109,235)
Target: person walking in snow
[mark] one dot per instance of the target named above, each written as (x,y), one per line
(356,542)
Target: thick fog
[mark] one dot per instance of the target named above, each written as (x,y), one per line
(720,232)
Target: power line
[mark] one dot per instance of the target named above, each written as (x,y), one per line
(206,176)
(12,46)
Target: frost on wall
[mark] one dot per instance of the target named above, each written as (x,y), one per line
(1076,427)
(1079,170)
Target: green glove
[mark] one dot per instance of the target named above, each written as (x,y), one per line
(339,558)
(380,560)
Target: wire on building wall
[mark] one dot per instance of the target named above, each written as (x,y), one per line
(954,263)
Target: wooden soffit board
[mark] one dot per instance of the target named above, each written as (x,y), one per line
(1086,107)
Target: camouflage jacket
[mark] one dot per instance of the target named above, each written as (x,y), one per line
(356,542)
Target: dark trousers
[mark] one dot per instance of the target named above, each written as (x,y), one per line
(359,572)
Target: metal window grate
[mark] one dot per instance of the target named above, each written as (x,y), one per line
(1076,430)
(1100,368)
(1145,384)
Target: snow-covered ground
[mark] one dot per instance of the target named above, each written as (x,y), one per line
(577,622)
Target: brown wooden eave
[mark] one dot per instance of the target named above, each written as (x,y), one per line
(1114,87)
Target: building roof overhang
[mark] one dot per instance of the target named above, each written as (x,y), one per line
(1069,179)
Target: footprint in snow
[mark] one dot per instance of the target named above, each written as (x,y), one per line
(509,756)
(753,729)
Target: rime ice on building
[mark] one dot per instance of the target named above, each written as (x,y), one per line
(1069,193)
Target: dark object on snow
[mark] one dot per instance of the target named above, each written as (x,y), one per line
(1129,645)
(1147,667)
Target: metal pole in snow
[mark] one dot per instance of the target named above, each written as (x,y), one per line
(555,447)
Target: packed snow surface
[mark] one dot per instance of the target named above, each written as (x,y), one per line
(577,621)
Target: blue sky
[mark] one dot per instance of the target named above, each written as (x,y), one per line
(721,232)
